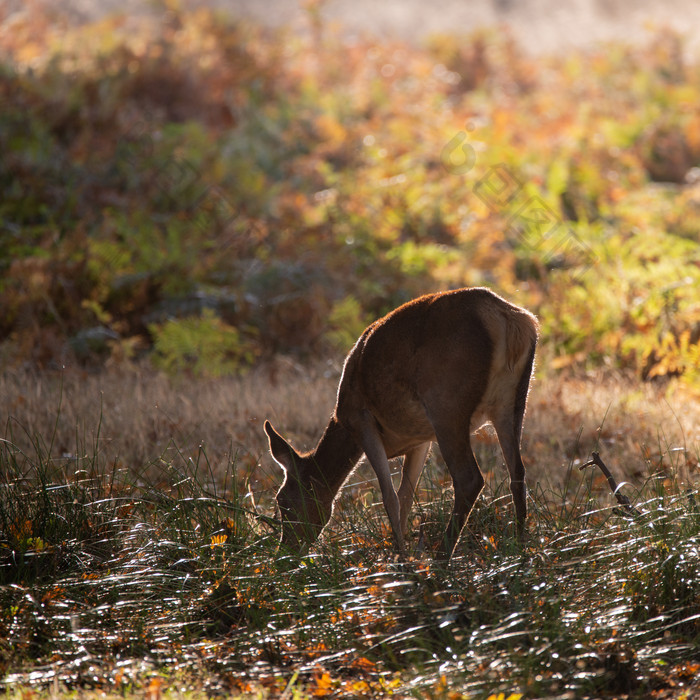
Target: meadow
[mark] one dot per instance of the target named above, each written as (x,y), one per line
(197,219)
(124,574)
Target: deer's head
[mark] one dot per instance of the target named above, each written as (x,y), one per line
(303,502)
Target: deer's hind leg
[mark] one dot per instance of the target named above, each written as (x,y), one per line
(455,444)
(468,482)
(508,422)
(450,406)
(509,439)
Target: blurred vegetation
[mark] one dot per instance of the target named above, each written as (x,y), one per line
(172,186)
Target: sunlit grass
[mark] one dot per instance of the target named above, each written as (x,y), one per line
(109,582)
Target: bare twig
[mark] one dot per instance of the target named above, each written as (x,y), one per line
(614,486)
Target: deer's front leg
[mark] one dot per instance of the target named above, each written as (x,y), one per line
(371,442)
(413,464)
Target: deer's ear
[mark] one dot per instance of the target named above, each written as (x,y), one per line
(284,454)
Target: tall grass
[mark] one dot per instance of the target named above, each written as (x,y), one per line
(109,579)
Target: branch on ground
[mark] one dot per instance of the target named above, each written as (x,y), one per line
(614,486)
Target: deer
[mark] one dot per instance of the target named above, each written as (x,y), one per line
(435,369)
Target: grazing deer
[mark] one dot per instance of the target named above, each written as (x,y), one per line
(433,370)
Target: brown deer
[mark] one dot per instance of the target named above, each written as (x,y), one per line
(432,370)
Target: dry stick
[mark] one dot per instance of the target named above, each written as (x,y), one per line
(621,498)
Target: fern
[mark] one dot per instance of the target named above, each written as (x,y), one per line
(204,346)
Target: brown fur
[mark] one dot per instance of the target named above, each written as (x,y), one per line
(435,369)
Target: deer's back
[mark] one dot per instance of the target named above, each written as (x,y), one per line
(439,349)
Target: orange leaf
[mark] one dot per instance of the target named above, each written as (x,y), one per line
(323,684)
(153,690)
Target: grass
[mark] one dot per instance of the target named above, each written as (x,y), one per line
(164,580)
(146,420)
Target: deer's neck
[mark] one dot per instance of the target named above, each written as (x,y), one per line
(335,456)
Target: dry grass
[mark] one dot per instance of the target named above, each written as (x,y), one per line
(638,427)
(139,418)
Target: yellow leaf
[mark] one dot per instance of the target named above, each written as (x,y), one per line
(218,540)
(330,129)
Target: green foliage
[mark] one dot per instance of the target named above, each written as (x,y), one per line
(203,346)
(346,323)
(144,167)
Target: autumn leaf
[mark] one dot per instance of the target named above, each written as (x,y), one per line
(323,684)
